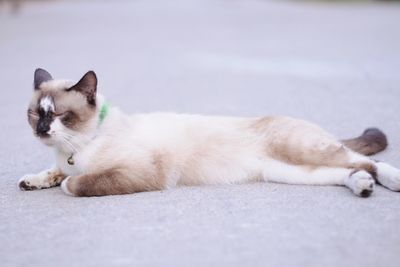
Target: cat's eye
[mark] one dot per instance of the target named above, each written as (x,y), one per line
(67,116)
(61,114)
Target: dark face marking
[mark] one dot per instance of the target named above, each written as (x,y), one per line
(69,119)
(70,110)
(44,122)
(46,115)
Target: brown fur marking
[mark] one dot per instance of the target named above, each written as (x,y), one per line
(366,166)
(369,143)
(115,181)
(56,179)
(161,163)
(299,142)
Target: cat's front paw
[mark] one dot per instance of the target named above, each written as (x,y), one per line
(32,182)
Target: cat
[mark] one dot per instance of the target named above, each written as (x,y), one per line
(102,151)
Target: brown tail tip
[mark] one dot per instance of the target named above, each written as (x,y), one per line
(369,143)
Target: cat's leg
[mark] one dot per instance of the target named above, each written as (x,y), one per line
(297,142)
(360,182)
(45,179)
(388,176)
(111,182)
(385,174)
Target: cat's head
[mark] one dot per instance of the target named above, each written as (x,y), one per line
(62,110)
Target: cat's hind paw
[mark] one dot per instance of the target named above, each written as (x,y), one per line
(388,176)
(361,183)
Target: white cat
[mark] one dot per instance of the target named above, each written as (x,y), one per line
(102,151)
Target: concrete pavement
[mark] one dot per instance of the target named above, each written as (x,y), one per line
(333,64)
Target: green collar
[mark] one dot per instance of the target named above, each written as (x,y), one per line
(103,112)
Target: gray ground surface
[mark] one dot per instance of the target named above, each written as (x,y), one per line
(334,64)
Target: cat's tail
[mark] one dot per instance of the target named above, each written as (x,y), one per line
(369,143)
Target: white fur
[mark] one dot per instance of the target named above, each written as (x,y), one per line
(57,84)
(135,138)
(359,182)
(388,176)
(37,180)
(47,104)
(277,171)
(281,172)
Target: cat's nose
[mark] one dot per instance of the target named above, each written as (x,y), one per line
(42,129)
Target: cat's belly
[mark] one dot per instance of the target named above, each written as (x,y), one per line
(227,169)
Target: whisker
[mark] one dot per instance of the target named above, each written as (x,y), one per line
(70,145)
(67,142)
(73,142)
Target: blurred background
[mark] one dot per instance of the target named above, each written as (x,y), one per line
(227,57)
(332,62)
(335,63)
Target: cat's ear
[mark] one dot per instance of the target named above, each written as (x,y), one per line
(87,86)
(40,77)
